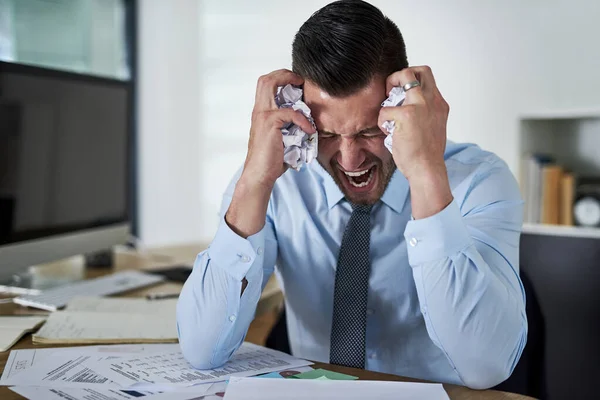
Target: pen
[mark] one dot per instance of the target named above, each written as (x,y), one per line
(161,296)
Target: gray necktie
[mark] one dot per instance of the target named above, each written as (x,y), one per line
(349,325)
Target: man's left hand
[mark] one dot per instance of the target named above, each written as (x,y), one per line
(420,122)
(420,140)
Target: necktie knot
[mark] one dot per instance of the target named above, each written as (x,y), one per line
(361,208)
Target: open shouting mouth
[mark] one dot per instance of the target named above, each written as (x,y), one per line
(359,181)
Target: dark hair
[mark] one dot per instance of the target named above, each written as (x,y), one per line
(345,44)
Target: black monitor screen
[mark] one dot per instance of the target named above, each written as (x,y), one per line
(63,152)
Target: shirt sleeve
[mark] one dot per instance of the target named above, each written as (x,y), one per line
(213,315)
(465,263)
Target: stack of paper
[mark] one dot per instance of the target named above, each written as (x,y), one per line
(128,372)
(13,328)
(88,320)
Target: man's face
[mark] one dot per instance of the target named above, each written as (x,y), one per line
(350,142)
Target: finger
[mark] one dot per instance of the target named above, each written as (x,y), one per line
(425,76)
(401,78)
(396,114)
(286,115)
(266,88)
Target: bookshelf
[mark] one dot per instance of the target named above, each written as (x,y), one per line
(571,138)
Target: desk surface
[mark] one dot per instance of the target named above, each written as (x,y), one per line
(271,298)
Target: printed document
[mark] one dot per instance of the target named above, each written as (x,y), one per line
(40,366)
(172,369)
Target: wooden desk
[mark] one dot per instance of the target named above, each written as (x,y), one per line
(454,392)
(270,299)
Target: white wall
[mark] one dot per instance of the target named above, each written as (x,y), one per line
(492,60)
(169,117)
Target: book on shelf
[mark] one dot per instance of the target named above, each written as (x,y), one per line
(548,190)
(551,178)
(567,198)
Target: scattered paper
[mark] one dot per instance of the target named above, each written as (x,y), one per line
(317,389)
(107,327)
(323,373)
(13,328)
(203,391)
(73,372)
(173,369)
(157,309)
(298,146)
(100,393)
(395,99)
(24,366)
(65,370)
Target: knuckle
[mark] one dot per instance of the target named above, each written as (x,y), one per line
(260,116)
(285,112)
(263,79)
(383,116)
(440,103)
(409,111)
(445,106)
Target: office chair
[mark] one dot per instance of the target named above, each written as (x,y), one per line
(528,375)
(278,337)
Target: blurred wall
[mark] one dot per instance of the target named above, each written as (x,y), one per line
(199,62)
(169,114)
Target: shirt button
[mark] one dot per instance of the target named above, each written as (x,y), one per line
(370,311)
(259,251)
(232,318)
(424,310)
(372,355)
(245,259)
(413,242)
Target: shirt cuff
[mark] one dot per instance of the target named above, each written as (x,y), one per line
(441,235)
(233,253)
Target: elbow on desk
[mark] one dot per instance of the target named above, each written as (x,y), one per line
(197,351)
(198,345)
(491,371)
(484,378)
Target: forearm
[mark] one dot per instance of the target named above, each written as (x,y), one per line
(429,190)
(470,298)
(248,209)
(212,318)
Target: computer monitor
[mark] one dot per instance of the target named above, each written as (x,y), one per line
(64,165)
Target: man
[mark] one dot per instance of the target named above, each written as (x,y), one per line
(404,263)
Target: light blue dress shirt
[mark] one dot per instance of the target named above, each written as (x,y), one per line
(445,300)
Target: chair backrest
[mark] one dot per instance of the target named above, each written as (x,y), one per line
(528,377)
(565,272)
(278,337)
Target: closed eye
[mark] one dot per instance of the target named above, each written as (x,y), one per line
(372,134)
(326,135)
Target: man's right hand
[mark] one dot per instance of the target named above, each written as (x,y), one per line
(264,161)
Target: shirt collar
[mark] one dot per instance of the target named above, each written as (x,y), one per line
(395,195)
(333,194)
